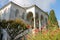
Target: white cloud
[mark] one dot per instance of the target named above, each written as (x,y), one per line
(59,23)
(43,4)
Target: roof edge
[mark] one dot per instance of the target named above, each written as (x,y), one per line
(8,4)
(39,8)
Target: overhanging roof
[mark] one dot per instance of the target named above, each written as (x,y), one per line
(22,7)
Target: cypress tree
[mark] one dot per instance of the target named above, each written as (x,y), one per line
(52,20)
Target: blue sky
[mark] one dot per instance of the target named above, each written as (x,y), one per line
(56,8)
(45,5)
(3,2)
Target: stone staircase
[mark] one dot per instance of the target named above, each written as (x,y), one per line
(21,32)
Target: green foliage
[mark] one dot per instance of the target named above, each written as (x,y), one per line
(13,27)
(52,20)
(50,35)
(13,24)
(52,17)
(3,24)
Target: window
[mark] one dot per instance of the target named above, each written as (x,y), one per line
(4,14)
(37,20)
(23,15)
(41,17)
(16,12)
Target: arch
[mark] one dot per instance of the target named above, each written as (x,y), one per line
(42,17)
(46,20)
(23,15)
(37,15)
(16,12)
(29,16)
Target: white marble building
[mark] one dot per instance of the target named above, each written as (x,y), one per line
(32,14)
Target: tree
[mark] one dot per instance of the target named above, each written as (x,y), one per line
(52,20)
(14,27)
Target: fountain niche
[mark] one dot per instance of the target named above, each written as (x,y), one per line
(4,35)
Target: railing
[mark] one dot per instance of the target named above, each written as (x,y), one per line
(22,34)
